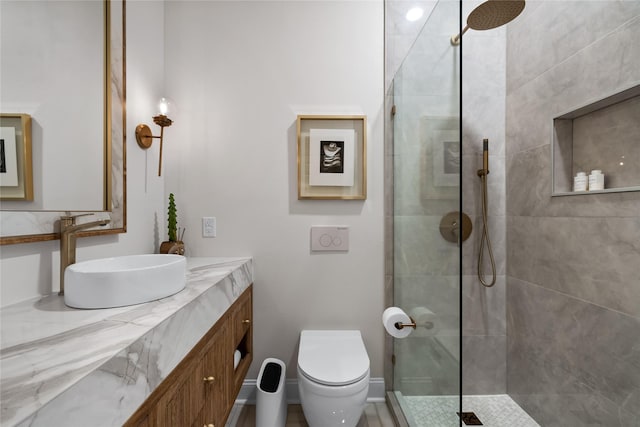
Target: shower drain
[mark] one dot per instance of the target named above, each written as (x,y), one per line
(469,418)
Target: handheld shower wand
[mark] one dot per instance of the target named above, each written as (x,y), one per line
(485,157)
(482,173)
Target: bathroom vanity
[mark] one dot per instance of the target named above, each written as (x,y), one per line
(168,362)
(201,390)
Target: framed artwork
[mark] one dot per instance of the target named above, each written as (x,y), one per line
(446,158)
(332,161)
(16,171)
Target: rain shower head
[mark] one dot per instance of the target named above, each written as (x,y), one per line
(491,14)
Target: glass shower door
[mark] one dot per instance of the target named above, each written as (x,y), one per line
(426,187)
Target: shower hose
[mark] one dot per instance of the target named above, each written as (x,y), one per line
(485,238)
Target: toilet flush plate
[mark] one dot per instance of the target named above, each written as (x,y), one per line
(329,238)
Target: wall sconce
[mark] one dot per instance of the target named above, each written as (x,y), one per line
(143,132)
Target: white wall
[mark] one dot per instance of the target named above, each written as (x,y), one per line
(240,72)
(29,270)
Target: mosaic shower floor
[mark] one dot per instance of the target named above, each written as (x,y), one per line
(440,411)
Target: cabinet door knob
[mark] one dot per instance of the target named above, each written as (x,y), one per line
(209,379)
(246,321)
(209,425)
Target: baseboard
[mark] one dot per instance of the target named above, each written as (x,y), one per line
(247,395)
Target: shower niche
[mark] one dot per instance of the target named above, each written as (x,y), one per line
(602,135)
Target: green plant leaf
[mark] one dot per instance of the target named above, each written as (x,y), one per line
(173,219)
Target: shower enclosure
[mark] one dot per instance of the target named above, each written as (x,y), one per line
(455,360)
(568,314)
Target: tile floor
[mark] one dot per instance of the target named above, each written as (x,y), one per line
(375,415)
(440,411)
(421,411)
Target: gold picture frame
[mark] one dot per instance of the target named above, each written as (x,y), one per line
(16,167)
(332,157)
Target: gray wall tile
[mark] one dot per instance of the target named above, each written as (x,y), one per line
(484,308)
(607,65)
(561,345)
(484,364)
(552,31)
(573,282)
(594,259)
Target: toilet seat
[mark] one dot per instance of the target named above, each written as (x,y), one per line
(333,358)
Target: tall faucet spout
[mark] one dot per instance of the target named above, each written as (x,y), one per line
(68,230)
(80,227)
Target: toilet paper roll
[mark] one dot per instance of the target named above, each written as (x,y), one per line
(236,358)
(426,321)
(393,315)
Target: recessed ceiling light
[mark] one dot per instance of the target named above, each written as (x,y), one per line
(414,14)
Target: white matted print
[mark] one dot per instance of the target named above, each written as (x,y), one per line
(331,157)
(8,158)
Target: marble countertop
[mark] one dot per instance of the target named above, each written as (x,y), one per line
(62,366)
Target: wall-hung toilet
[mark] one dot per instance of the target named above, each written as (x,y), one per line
(333,377)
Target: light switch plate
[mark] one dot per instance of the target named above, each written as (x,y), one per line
(329,238)
(209,226)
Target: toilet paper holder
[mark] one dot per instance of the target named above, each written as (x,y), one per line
(399,325)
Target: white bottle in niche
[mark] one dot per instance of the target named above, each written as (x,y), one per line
(596,180)
(580,182)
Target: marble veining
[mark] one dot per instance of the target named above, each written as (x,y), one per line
(61,366)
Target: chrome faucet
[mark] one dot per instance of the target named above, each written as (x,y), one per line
(68,231)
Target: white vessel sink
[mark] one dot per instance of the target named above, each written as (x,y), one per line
(126,280)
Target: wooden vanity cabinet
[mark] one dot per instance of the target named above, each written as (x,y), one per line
(201,390)
(242,333)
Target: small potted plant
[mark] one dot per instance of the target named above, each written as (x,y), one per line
(173,245)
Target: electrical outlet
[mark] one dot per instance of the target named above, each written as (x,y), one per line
(208,226)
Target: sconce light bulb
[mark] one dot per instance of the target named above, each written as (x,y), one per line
(164,106)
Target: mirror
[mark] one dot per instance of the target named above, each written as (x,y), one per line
(96,140)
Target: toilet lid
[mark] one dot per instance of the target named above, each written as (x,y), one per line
(333,357)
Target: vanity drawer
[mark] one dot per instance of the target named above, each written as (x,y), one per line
(217,362)
(182,404)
